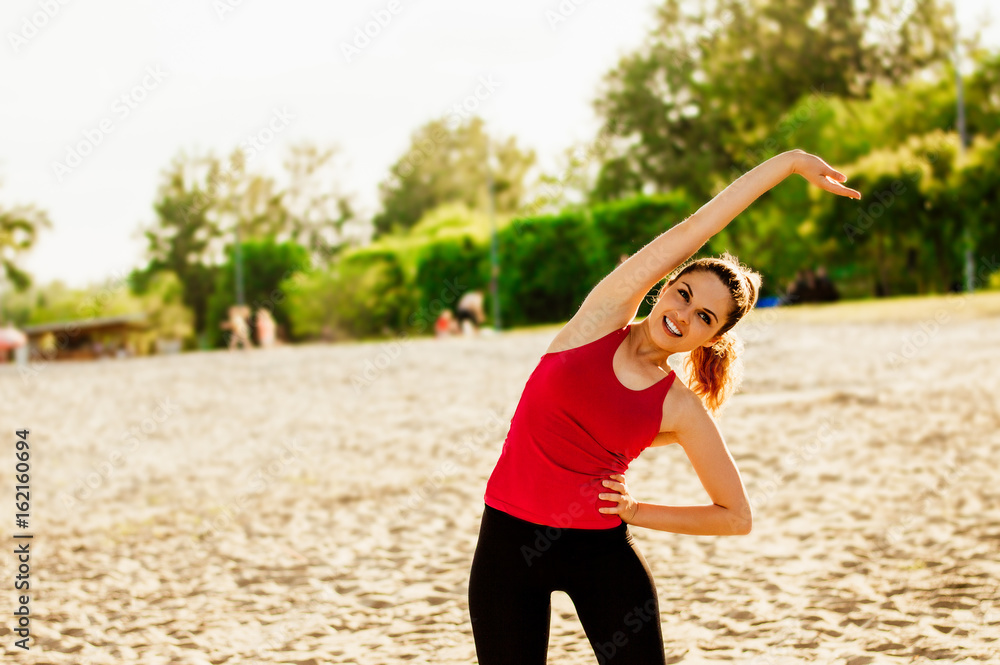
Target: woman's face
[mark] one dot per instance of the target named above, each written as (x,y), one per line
(696,306)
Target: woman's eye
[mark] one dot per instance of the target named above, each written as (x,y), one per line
(704,317)
(684,294)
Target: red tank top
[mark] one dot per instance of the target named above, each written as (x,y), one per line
(574,425)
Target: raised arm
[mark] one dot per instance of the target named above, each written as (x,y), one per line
(617,297)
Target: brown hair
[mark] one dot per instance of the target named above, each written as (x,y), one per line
(714,372)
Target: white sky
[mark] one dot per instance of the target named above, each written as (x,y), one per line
(224,74)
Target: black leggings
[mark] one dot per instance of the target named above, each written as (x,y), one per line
(517,566)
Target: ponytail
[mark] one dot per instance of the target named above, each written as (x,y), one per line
(715,372)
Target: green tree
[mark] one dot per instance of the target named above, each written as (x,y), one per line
(19,227)
(448,164)
(201,205)
(168,317)
(905,236)
(321,215)
(266,264)
(549,265)
(701,100)
(364,294)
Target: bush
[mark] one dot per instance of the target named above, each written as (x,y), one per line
(446,269)
(365,294)
(628,225)
(266,264)
(548,265)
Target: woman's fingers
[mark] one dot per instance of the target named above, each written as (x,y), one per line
(611,484)
(818,172)
(831,185)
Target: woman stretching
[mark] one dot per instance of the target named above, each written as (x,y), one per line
(557,508)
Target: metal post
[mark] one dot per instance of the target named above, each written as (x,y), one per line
(494,260)
(238,260)
(963,134)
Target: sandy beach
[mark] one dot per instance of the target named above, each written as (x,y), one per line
(321,503)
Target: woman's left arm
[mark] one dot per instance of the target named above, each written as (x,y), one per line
(728,514)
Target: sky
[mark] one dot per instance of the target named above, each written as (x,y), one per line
(100,96)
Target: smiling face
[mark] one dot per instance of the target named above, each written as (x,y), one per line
(690,312)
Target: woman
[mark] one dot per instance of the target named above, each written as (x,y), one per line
(557,507)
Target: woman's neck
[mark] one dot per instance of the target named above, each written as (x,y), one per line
(643,349)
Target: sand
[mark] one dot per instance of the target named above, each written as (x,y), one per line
(320,504)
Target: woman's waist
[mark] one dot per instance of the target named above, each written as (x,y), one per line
(575,516)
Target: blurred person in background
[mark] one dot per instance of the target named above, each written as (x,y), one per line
(265,329)
(239,329)
(470,308)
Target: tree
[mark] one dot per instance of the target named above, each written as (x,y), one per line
(163,304)
(321,217)
(573,184)
(266,264)
(905,235)
(202,205)
(183,238)
(701,99)
(19,227)
(365,293)
(448,164)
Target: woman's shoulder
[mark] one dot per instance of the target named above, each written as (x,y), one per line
(572,337)
(680,405)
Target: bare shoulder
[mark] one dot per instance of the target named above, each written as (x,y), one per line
(682,408)
(587,325)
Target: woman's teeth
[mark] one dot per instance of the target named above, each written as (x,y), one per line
(670,326)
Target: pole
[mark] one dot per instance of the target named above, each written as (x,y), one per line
(238,260)
(963,135)
(494,260)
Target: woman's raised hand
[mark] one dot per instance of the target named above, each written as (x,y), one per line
(821,174)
